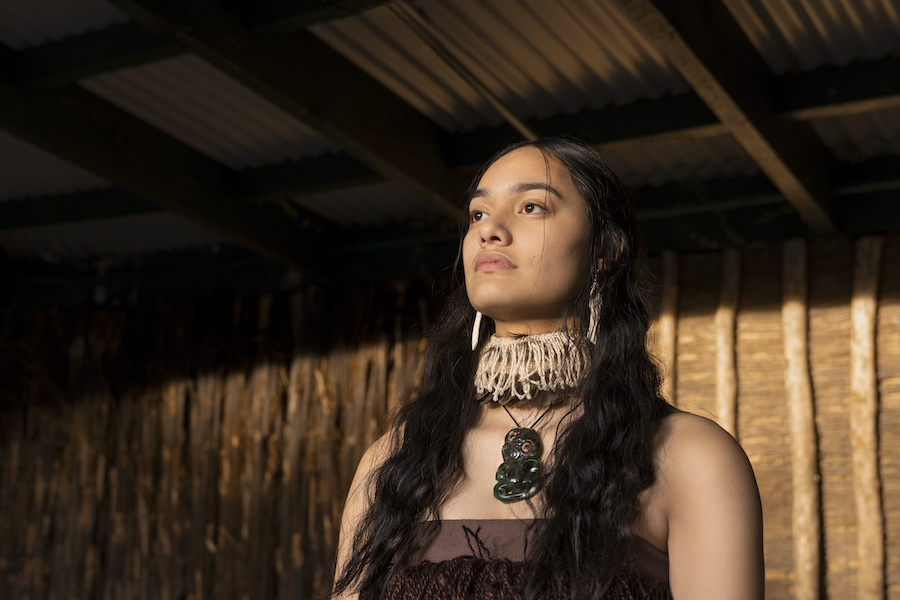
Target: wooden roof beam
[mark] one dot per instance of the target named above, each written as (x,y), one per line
(691,216)
(314,83)
(279,16)
(80,127)
(704,42)
(611,127)
(832,91)
(60,62)
(824,92)
(249,187)
(76,206)
(643,121)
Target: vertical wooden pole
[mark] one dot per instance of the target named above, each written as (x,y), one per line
(726,314)
(170,516)
(376,402)
(804,455)
(148,457)
(230,546)
(257,515)
(205,414)
(395,383)
(667,323)
(291,473)
(863,421)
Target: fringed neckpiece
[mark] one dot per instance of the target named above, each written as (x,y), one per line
(515,369)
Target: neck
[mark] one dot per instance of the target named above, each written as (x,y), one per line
(530,327)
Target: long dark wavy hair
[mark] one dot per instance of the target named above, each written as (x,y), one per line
(603,459)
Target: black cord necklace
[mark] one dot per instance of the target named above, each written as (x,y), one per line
(519,477)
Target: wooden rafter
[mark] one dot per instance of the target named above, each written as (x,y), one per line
(61,62)
(824,92)
(76,125)
(287,15)
(833,91)
(301,177)
(828,91)
(690,216)
(309,80)
(707,46)
(78,206)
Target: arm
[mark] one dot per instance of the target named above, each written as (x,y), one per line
(714,514)
(357,503)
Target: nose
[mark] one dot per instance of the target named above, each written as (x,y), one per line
(494,230)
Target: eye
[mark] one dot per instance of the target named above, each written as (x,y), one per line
(532,208)
(475,216)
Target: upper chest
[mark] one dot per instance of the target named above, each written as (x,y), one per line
(473,497)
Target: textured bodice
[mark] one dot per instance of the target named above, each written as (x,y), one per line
(483,559)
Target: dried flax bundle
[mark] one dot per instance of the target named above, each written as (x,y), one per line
(725,320)
(804,452)
(864,420)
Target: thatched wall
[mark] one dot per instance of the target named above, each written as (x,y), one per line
(193,451)
(202,450)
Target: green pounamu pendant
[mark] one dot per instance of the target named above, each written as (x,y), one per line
(518,478)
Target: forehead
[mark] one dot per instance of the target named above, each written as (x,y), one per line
(526,165)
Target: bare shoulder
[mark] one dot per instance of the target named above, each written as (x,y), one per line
(370,462)
(360,493)
(713,514)
(691,446)
(378,451)
(359,498)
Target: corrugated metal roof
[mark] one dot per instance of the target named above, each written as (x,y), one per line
(118,236)
(805,34)
(206,109)
(28,171)
(541,58)
(25,23)
(655,163)
(854,137)
(367,204)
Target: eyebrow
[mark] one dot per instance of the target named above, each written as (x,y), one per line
(521,188)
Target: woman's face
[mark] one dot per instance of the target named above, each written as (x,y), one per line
(526,253)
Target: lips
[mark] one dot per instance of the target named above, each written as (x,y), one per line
(493,261)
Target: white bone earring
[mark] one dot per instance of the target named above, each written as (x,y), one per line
(476,330)
(594,303)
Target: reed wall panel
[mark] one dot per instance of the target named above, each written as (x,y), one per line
(204,450)
(830,280)
(887,358)
(762,413)
(695,360)
(194,451)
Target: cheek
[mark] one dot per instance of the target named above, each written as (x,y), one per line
(571,270)
(469,248)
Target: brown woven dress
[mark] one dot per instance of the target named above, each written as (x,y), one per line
(483,559)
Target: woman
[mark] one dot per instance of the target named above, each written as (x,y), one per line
(538,460)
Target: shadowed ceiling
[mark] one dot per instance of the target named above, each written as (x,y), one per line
(333,140)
